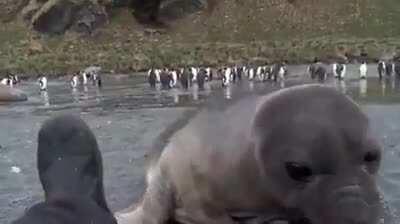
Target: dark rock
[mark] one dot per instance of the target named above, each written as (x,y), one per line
(89,17)
(58,16)
(146,11)
(176,9)
(157,12)
(120,3)
(54,17)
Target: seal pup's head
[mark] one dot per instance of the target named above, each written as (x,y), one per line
(317,156)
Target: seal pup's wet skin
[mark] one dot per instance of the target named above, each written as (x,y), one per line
(71,173)
(286,156)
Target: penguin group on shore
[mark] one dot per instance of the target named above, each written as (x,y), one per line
(78,78)
(387,68)
(186,77)
(319,70)
(93,76)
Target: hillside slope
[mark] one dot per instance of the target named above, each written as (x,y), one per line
(236,31)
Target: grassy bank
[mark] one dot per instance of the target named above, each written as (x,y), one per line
(259,31)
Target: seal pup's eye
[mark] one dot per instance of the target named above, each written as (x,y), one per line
(371,156)
(298,171)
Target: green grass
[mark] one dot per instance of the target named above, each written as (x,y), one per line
(255,31)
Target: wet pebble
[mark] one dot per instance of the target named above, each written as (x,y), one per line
(15,169)
(20,201)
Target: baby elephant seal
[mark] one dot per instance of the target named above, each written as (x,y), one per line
(302,155)
(71,173)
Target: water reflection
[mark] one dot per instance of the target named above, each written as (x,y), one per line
(134,93)
(99,96)
(207,89)
(383,87)
(158,87)
(75,95)
(396,84)
(282,83)
(228,92)
(343,86)
(181,96)
(393,82)
(389,86)
(175,95)
(340,85)
(45,98)
(251,86)
(363,87)
(195,92)
(85,95)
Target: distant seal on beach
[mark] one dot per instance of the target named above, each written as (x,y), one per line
(8,94)
(303,154)
(71,174)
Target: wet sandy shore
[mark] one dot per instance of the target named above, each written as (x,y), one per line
(127,117)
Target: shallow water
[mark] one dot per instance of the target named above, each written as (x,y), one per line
(127,117)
